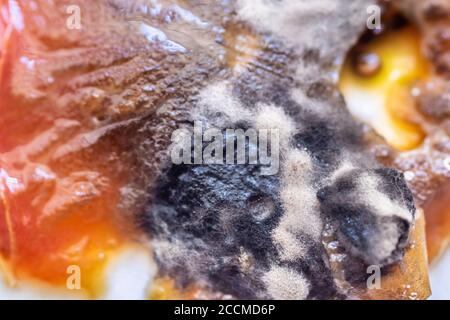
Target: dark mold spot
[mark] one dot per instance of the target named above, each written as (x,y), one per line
(395,187)
(218,210)
(319,140)
(361,229)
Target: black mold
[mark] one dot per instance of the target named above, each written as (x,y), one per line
(360,227)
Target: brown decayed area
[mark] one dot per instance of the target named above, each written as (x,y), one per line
(166,289)
(426,167)
(82,107)
(438,222)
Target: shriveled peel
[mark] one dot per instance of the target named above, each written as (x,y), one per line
(432,189)
(124,79)
(437,212)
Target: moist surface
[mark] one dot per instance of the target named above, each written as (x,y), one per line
(87,118)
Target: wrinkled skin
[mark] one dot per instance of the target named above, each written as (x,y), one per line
(214,225)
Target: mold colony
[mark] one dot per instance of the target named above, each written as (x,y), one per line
(92,114)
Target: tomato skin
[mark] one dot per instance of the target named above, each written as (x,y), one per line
(80,229)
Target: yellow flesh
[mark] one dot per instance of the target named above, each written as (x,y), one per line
(384,100)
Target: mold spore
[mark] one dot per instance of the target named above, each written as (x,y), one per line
(251,236)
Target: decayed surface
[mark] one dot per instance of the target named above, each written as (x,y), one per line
(433,158)
(427,167)
(115,91)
